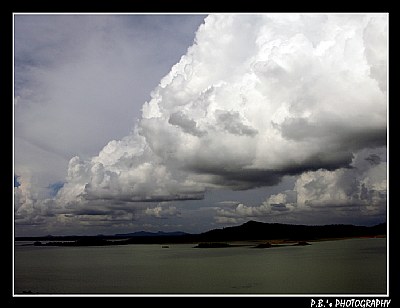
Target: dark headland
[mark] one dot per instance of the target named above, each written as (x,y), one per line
(251,231)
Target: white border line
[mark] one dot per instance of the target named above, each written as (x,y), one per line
(209,295)
(13,150)
(387,158)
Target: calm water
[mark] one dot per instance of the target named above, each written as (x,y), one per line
(354,266)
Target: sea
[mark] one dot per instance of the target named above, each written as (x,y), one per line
(340,267)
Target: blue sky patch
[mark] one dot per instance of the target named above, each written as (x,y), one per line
(55,187)
(16,182)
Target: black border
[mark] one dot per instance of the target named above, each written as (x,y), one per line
(178,7)
(7,134)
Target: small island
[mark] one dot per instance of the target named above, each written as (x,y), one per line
(212,245)
(264,245)
(302,243)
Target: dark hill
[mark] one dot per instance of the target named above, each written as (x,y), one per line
(253,230)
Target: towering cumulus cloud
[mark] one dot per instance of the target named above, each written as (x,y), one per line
(255,98)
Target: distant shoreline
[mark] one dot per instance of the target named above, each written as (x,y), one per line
(215,244)
(250,232)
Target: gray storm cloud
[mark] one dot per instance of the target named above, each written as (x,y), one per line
(255,98)
(360,189)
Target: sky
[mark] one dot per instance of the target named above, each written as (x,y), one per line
(193,122)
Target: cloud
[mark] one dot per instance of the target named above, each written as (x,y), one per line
(242,112)
(374,33)
(80,81)
(30,208)
(373,159)
(360,189)
(187,125)
(226,220)
(231,122)
(162,212)
(256,98)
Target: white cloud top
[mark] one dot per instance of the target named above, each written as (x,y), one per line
(255,98)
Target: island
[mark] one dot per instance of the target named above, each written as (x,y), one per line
(212,245)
